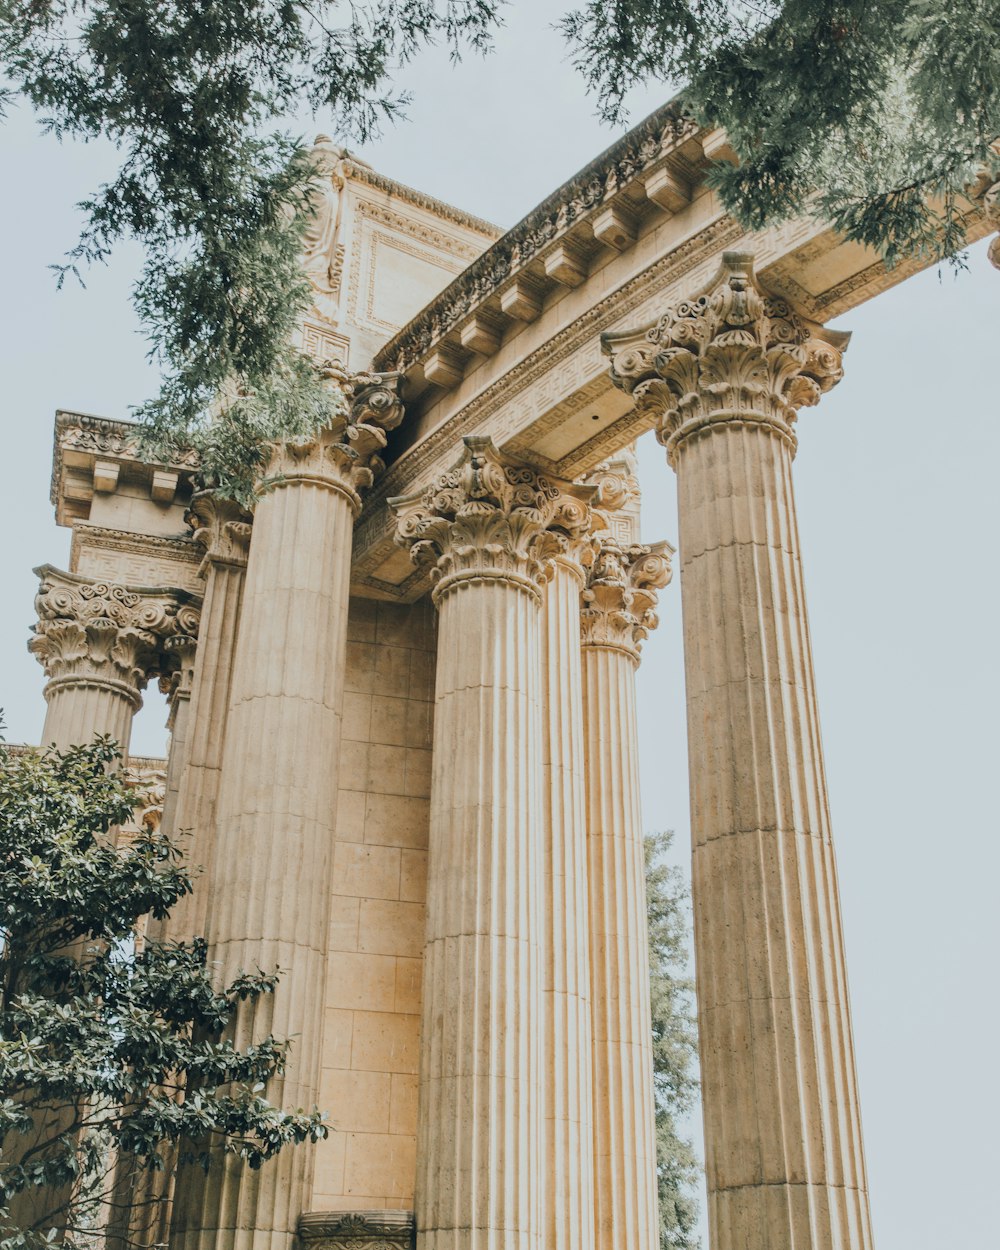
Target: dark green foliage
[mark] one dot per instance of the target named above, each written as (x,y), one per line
(97,1038)
(874,114)
(187,90)
(675,1044)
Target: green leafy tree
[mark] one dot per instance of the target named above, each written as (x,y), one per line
(873,114)
(113,1059)
(876,115)
(675,1045)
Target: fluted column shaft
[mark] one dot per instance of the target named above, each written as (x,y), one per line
(568,1068)
(617,613)
(478,1144)
(76,712)
(782,1123)
(724,375)
(277,800)
(480,1171)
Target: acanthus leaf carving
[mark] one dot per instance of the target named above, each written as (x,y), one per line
(91,630)
(732,354)
(619,600)
(490,517)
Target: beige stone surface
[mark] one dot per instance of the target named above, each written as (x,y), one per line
(617,612)
(372,1023)
(784,1158)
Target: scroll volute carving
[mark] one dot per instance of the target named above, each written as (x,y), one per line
(104,632)
(220,526)
(619,601)
(490,517)
(731,354)
(369,407)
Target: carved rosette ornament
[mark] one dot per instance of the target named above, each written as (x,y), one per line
(730,355)
(351,444)
(357,1230)
(491,518)
(618,610)
(100,633)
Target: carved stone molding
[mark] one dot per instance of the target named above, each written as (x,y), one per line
(731,354)
(98,632)
(490,518)
(619,601)
(220,526)
(345,454)
(357,1230)
(991,207)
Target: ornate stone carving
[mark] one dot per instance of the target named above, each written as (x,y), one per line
(619,600)
(351,443)
(97,631)
(490,517)
(357,1230)
(991,207)
(220,526)
(731,354)
(639,150)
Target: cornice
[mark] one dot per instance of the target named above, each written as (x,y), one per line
(635,153)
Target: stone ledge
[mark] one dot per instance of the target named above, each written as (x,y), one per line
(357,1230)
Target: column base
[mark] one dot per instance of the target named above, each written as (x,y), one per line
(357,1230)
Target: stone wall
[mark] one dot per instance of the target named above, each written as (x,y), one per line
(371,1037)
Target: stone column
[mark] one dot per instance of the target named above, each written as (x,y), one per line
(480,1173)
(277,799)
(723,375)
(567,1064)
(617,614)
(98,644)
(176,683)
(223,529)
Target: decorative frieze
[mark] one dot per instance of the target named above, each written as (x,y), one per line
(619,600)
(357,1230)
(730,354)
(487,519)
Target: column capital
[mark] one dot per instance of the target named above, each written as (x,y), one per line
(98,633)
(731,354)
(619,601)
(491,518)
(346,454)
(220,526)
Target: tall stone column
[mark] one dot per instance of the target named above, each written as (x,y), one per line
(222,528)
(567,1063)
(617,614)
(480,1173)
(723,374)
(99,643)
(277,801)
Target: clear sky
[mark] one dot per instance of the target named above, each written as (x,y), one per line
(897,482)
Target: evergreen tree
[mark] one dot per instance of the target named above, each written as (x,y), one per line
(99,1040)
(675,1044)
(875,115)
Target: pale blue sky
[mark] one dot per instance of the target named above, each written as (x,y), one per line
(897,491)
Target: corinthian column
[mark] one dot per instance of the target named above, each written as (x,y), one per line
(567,1066)
(222,528)
(277,800)
(617,614)
(479,1164)
(98,644)
(723,375)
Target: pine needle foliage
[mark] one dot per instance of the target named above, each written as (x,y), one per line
(675,1044)
(113,1059)
(874,115)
